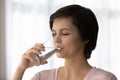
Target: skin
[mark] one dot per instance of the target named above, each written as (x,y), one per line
(66,37)
(27,60)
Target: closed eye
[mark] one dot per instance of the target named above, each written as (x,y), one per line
(65,33)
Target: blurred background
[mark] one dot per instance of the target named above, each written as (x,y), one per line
(26,22)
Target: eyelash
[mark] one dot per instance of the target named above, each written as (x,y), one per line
(53,34)
(65,33)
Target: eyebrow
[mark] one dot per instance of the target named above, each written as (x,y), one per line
(63,29)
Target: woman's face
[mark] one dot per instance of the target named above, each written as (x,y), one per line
(66,37)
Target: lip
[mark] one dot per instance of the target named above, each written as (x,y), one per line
(59,49)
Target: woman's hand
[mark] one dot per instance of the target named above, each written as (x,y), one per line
(31,56)
(29,59)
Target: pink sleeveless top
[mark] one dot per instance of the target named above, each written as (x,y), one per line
(93,74)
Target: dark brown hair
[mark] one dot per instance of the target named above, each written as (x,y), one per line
(86,22)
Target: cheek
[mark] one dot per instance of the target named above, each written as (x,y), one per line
(73,43)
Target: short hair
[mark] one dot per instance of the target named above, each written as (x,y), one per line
(85,21)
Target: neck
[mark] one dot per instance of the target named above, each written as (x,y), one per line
(76,67)
(76,64)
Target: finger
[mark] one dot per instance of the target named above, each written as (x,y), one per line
(32,55)
(40,45)
(43,62)
(35,50)
(33,59)
(29,57)
(32,51)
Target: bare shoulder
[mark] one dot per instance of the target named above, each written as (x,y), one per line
(100,74)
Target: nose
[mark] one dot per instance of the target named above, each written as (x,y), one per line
(57,39)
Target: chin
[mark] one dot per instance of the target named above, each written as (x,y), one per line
(59,55)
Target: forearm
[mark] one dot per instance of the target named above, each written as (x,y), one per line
(18,74)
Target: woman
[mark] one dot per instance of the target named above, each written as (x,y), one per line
(75,31)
